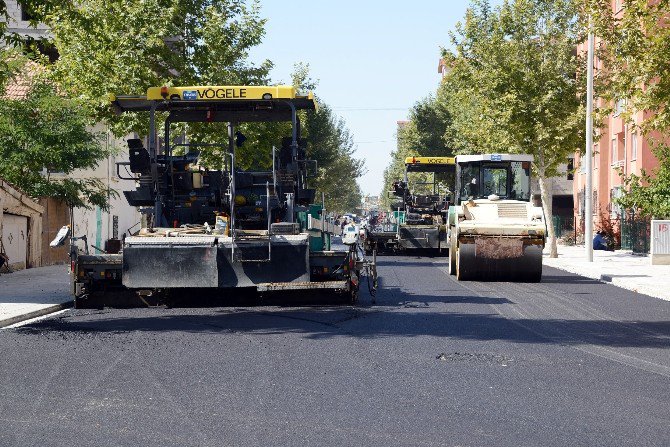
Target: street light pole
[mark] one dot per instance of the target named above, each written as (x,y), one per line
(588,193)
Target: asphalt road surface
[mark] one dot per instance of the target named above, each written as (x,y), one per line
(567,362)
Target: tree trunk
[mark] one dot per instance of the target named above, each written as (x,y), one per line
(547,195)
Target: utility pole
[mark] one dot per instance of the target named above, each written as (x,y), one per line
(588,193)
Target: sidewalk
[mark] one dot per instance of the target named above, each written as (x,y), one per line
(31,293)
(621,268)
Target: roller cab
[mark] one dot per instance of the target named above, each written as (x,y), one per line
(496,232)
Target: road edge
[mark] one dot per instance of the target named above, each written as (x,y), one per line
(36,313)
(608,279)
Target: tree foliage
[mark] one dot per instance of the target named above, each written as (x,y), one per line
(649,193)
(330,143)
(635,44)
(44,138)
(513,84)
(634,49)
(121,47)
(422,135)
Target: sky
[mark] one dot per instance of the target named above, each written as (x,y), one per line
(373,61)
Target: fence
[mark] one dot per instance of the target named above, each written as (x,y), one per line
(564,226)
(635,233)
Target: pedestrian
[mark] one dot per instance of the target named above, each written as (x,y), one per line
(599,241)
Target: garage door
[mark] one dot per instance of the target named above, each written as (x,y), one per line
(15,239)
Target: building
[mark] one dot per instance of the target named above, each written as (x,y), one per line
(370,204)
(618,150)
(20,228)
(19,23)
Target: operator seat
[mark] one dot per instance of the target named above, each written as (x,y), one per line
(140,162)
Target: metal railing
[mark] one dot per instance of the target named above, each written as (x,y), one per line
(635,233)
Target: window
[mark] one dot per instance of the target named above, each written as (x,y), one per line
(26,15)
(582,202)
(580,198)
(571,169)
(613,153)
(619,107)
(615,209)
(520,181)
(495,181)
(633,146)
(470,181)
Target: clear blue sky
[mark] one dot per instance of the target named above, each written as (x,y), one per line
(373,59)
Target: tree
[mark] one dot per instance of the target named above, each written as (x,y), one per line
(121,47)
(634,50)
(44,134)
(190,42)
(330,143)
(422,135)
(649,193)
(514,85)
(13,40)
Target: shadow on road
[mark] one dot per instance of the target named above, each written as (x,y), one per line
(410,315)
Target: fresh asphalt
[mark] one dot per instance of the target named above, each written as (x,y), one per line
(566,362)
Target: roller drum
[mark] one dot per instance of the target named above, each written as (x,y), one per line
(526,268)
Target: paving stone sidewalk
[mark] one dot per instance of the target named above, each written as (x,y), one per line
(621,268)
(31,293)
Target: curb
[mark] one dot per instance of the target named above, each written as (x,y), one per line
(36,313)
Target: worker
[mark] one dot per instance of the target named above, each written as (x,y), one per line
(600,241)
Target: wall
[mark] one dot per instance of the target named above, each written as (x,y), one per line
(14,240)
(96,224)
(16,25)
(15,202)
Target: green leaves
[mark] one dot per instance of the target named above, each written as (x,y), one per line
(331,145)
(634,49)
(423,135)
(649,193)
(513,84)
(121,47)
(43,140)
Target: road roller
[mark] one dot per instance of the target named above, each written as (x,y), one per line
(497,229)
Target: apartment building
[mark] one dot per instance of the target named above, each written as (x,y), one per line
(619,150)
